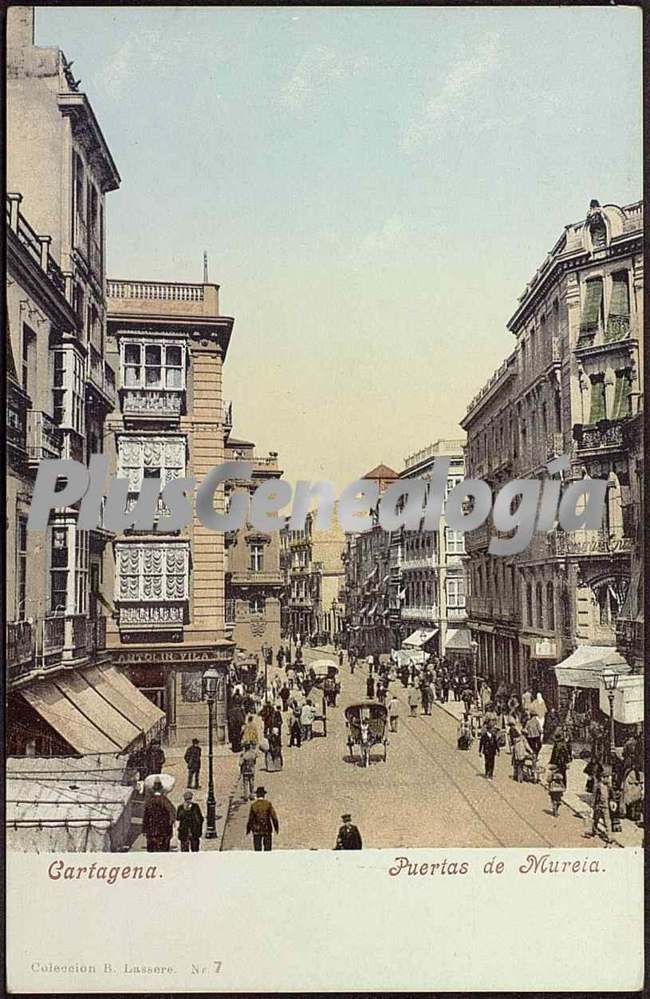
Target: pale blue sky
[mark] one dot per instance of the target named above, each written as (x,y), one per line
(374,188)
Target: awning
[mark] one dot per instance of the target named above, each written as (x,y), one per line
(95,710)
(584,667)
(628,699)
(458,640)
(420,637)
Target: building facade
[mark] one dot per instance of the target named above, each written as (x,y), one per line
(431,563)
(313,576)
(60,388)
(253,578)
(168,341)
(572,386)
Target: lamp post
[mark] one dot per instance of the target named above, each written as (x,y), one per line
(610,679)
(474,645)
(210,680)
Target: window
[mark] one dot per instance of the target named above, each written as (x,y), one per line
(82,550)
(68,388)
(618,321)
(29,361)
(540,605)
(257,557)
(21,567)
(257,605)
(598,409)
(150,457)
(152,572)
(455,542)
(455,591)
(550,607)
(529,604)
(59,561)
(79,200)
(592,309)
(153,365)
(622,402)
(69,559)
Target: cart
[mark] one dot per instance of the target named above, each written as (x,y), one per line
(366,725)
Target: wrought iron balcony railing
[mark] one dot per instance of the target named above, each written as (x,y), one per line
(44,437)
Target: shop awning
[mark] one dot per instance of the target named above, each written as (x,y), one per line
(95,710)
(584,667)
(628,699)
(420,637)
(458,640)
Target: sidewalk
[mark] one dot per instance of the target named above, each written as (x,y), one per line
(226,776)
(575,797)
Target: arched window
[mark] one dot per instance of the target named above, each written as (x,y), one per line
(550,607)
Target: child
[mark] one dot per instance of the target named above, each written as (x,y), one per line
(556,789)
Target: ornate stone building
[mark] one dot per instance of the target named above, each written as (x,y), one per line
(60,387)
(313,572)
(168,341)
(253,578)
(572,386)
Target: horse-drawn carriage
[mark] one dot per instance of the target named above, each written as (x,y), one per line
(366,724)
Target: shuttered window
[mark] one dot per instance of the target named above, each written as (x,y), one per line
(618,321)
(592,307)
(598,410)
(622,395)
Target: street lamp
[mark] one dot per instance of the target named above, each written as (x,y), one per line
(210,681)
(474,646)
(610,679)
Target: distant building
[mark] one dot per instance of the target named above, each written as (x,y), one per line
(253,577)
(313,572)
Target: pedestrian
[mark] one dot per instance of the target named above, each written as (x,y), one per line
(393,713)
(277,720)
(274,760)
(285,695)
(560,755)
(445,685)
(193,761)
(249,735)
(533,732)
(413,700)
(155,758)
(467,697)
(551,724)
(521,752)
(307,716)
(370,688)
(235,719)
(295,728)
(262,820)
(371,663)
(426,697)
(341,659)
(556,789)
(266,714)
(349,837)
(353,663)
(158,821)
(382,690)
(602,796)
(190,824)
(488,748)
(538,707)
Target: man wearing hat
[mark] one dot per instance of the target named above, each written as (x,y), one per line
(602,795)
(262,820)
(190,823)
(158,821)
(349,837)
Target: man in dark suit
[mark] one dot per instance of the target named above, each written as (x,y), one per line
(262,820)
(193,761)
(158,821)
(190,824)
(349,837)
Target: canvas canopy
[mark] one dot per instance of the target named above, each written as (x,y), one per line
(419,638)
(628,700)
(458,640)
(584,667)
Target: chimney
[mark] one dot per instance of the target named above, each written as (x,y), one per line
(20,27)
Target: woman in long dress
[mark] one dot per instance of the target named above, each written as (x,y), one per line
(274,761)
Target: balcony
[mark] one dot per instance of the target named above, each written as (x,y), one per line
(230,612)
(586,543)
(418,562)
(456,613)
(53,634)
(480,538)
(96,627)
(16,417)
(97,374)
(37,246)
(20,647)
(420,613)
(155,291)
(162,298)
(44,437)
(599,436)
(152,404)
(152,616)
(73,445)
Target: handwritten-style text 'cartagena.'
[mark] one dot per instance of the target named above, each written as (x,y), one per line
(518,509)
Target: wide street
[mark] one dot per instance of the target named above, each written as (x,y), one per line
(427,794)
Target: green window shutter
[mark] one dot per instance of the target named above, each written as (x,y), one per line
(621,396)
(618,321)
(592,305)
(598,411)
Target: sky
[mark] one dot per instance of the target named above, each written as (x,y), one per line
(374,187)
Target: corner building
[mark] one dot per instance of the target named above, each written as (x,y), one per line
(168,342)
